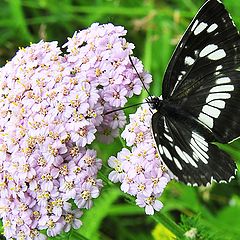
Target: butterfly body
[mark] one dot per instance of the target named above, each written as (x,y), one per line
(200,99)
(176,110)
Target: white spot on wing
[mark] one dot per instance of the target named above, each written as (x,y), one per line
(200,153)
(192,162)
(167,153)
(222,181)
(212,179)
(160,149)
(208,184)
(217,70)
(165,125)
(194,25)
(201,157)
(218,103)
(199,138)
(168,137)
(219,54)
(196,52)
(179,78)
(189,61)
(215,96)
(181,154)
(206,119)
(222,88)
(201,145)
(219,67)
(208,49)
(200,28)
(196,146)
(177,163)
(223,80)
(213,27)
(211,111)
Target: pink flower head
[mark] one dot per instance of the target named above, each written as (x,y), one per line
(52,107)
(140,170)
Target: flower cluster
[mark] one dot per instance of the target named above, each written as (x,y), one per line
(51,107)
(140,171)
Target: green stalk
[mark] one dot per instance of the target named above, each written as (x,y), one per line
(169,224)
(19,19)
(76,235)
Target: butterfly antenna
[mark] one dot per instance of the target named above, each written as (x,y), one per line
(137,104)
(140,77)
(118,109)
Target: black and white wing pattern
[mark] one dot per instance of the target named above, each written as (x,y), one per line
(202,86)
(204,72)
(189,154)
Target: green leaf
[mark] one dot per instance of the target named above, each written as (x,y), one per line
(169,224)
(19,19)
(227,222)
(93,217)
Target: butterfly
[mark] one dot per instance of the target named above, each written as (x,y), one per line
(200,100)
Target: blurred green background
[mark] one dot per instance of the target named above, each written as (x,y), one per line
(155,28)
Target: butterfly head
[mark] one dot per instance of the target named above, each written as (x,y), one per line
(155,102)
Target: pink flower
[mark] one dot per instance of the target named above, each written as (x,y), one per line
(84,135)
(140,169)
(71,220)
(116,95)
(149,203)
(54,228)
(87,192)
(52,106)
(117,175)
(107,134)
(115,120)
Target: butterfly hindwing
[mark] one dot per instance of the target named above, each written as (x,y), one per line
(188,154)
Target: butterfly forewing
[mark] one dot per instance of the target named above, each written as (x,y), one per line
(203,81)
(211,40)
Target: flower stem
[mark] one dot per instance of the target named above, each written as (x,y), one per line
(162,219)
(169,224)
(122,142)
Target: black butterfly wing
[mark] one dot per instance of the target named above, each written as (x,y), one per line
(206,43)
(188,154)
(204,73)
(217,105)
